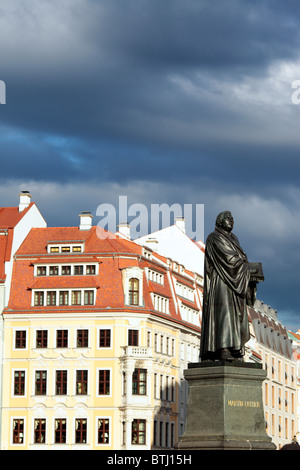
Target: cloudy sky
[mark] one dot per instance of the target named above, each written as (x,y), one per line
(164,101)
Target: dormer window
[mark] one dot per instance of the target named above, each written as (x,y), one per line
(133,285)
(66,270)
(160,303)
(155,276)
(65,248)
(147,253)
(67,297)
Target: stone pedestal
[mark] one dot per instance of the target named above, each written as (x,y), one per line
(225,407)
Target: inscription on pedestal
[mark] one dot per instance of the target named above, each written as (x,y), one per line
(242,403)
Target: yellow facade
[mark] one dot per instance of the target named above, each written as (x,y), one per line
(117,395)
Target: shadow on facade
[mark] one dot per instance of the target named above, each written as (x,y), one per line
(169,416)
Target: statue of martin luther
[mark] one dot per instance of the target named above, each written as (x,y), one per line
(229,286)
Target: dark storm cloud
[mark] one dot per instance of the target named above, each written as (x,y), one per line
(163,100)
(175,33)
(103,68)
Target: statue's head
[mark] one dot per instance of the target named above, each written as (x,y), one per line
(225,221)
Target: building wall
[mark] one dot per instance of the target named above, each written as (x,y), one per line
(279,389)
(166,342)
(158,353)
(295,338)
(280,398)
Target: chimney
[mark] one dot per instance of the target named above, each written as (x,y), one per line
(180,222)
(124,229)
(24,200)
(85,220)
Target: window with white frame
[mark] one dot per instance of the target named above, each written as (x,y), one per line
(103,430)
(184,291)
(160,303)
(65,247)
(68,269)
(20,338)
(155,276)
(133,291)
(66,297)
(18,430)
(188,314)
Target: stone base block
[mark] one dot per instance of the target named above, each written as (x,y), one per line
(225,407)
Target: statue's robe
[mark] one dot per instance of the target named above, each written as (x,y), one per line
(225,321)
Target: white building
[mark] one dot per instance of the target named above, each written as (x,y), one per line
(15,224)
(172,242)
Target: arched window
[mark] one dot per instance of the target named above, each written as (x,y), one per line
(134,285)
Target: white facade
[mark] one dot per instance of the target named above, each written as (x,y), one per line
(32,218)
(295,338)
(173,243)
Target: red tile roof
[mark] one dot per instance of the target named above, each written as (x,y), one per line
(112,252)
(38,239)
(183,280)
(59,282)
(66,258)
(157,288)
(10,216)
(189,303)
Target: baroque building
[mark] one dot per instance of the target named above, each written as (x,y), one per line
(295,340)
(97,332)
(273,346)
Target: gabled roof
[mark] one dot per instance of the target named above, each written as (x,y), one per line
(9,218)
(97,241)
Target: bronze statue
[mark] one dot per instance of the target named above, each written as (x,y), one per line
(229,286)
